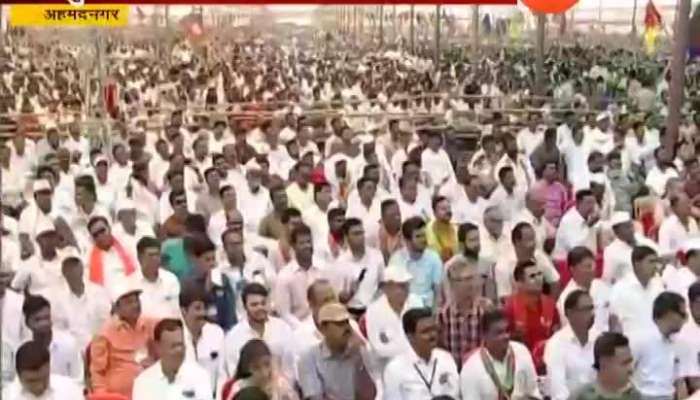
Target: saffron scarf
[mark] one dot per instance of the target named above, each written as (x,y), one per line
(505,388)
(97,270)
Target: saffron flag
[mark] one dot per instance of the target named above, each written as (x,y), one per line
(192,25)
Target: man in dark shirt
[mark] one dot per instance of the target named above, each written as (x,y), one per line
(613,361)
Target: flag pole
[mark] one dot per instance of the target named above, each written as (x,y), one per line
(680,49)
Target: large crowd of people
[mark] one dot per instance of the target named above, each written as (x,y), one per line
(276,220)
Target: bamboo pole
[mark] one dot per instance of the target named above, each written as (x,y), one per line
(634,18)
(395,24)
(413,30)
(675,102)
(354,22)
(475,28)
(437,36)
(539,54)
(381,26)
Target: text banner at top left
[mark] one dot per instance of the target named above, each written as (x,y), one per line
(98,15)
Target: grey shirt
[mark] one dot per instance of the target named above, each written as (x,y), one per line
(323,374)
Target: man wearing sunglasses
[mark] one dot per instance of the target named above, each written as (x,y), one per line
(532,315)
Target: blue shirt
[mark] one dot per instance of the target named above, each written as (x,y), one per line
(426,271)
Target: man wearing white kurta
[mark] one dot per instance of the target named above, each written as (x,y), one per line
(383,318)
(568,354)
(174,376)
(632,297)
(501,368)
(656,369)
(617,256)
(677,227)
(578,226)
(423,371)
(581,263)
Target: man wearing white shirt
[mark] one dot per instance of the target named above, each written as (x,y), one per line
(576,158)
(316,216)
(509,196)
(465,196)
(568,354)
(34,378)
(174,376)
(581,263)
(533,214)
(617,256)
(485,373)
(357,271)
(661,172)
(578,226)
(600,138)
(531,136)
(520,165)
(204,341)
(301,191)
(435,161)
(524,249)
(365,204)
(128,228)
(677,227)
(159,287)
(78,294)
(39,210)
(258,324)
(679,278)
(494,241)
(433,372)
(409,201)
(13,329)
(655,373)
(688,343)
(66,358)
(632,297)
(383,318)
(254,198)
(42,271)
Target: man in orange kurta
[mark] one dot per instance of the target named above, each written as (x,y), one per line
(119,351)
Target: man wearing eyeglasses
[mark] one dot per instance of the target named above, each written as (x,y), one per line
(532,315)
(459,320)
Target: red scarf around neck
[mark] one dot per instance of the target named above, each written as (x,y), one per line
(97,271)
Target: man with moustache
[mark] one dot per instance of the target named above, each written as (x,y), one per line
(423,371)
(479,378)
(339,367)
(441,233)
(173,375)
(258,324)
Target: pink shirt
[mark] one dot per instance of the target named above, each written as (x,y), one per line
(290,290)
(556,197)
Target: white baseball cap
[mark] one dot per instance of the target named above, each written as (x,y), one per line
(121,288)
(396,274)
(41,185)
(620,217)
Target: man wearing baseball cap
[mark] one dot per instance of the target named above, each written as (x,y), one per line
(339,366)
(40,209)
(383,318)
(119,351)
(42,271)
